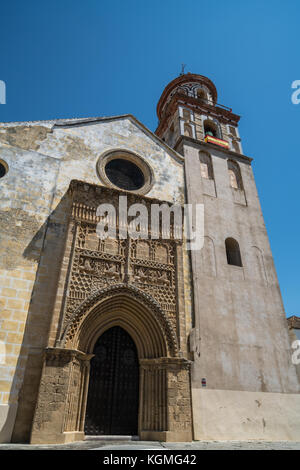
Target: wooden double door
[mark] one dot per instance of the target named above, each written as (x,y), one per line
(113,395)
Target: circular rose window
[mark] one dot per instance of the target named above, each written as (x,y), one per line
(124,174)
(125,170)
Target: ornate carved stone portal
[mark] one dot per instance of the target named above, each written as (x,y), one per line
(135,284)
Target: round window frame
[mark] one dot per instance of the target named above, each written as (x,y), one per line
(131,157)
(5,165)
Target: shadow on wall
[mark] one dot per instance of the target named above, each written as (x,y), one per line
(35,338)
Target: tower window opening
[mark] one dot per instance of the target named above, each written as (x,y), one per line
(234,174)
(201,95)
(210,128)
(206,167)
(233,131)
(233,179)
(233,252)
(186,115)
(188,130)
(204,170)
(236,146)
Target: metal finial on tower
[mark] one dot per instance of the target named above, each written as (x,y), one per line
(182,69)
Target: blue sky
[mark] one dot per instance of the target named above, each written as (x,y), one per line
(71,58)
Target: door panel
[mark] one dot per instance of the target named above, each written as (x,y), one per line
(112,405)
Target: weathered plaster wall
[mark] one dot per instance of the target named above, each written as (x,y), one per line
(235,415)
(43,158)
(80,146)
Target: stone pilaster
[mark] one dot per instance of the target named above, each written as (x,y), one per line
(165,400)
(59,414)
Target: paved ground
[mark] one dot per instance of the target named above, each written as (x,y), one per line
(143,445)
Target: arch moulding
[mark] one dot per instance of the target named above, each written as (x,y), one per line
(127,306)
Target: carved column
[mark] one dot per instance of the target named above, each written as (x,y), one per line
(60,409)
(165,400)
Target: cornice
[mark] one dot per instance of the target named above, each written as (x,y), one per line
(208,146)
(223,115)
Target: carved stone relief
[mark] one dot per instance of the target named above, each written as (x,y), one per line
(95,264)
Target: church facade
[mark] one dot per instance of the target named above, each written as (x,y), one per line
(139,335)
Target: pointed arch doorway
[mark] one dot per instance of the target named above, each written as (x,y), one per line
(113,394)
(161,375)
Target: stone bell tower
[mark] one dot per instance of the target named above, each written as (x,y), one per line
(244,384)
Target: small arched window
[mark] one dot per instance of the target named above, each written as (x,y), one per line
(233,252)
(188,130)
(206,167)
(236,146)
(233,131)
(235,176)
(232,178)
(201,95)
(211,128)
(186,115)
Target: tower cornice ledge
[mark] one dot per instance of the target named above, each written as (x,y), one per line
(238,156)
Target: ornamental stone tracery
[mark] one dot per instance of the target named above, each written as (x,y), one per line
(148,268)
